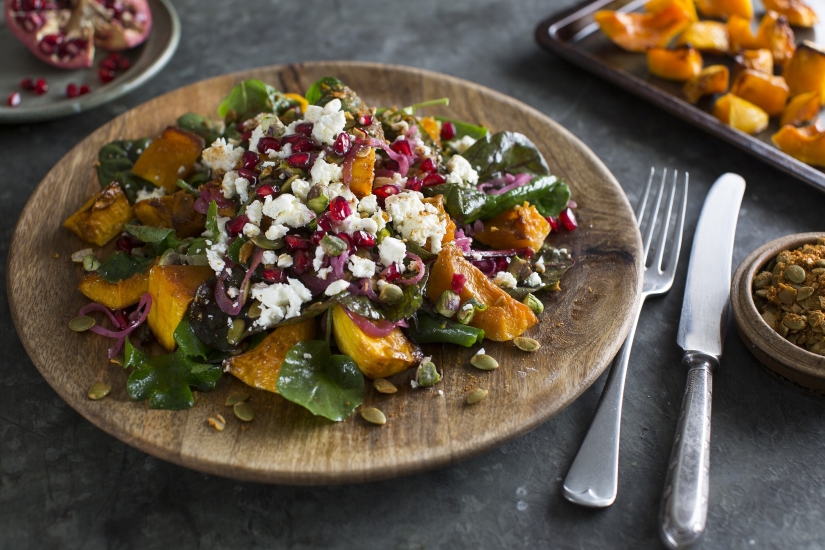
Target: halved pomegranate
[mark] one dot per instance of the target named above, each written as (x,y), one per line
(64,33)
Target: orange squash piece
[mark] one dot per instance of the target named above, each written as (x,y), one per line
(805,72)
(117,295)
(172,288)
(758,60)
(766,91)
(438,202)
(168,158)
(363,174)
(706,36)
(680,64)
(260,367)
(504,319)
(724,9)
(799,13)
(375,357)
(740,114)
(636,32)
(713,79)
(515,228)
(740,34)
(775,34)
(430,126)
(102,217)
(806,144)
(801,109)
(173,211)
(655,6)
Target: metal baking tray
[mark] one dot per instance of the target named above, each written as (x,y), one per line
(574,36)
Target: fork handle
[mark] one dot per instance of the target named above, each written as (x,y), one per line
(593,478)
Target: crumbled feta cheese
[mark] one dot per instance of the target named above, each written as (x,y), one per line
(325,172)
(338,189)
(228,184)
(414,384)
(392,250)
(269,258)
(221,156)
(480,351)
(319,258)
(287,210)
(283,154)
(324,273)
(257,134)
(156,193)
(461,172)
(279,301)
(232,292)
(307,356)
(300,188)
(379,220)
(242,187)
(284,260)
(533,280)
(329,121)
(415,220)
(337,287)
(276,231)
(461,145)
(400,128)
(251,230)
(214,255)
(361,267)
(504,280)
(255,212)
(354,222)
(368,205)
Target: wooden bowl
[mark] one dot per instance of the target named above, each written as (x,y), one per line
(782,359)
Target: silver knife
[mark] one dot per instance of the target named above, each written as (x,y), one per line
(701,334)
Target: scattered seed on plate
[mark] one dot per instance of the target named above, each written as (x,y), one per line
(476,395)
(243,410)
(99,390)
(219,422)
(483,361)
(81,323)
(374,416)
(77,257)
(235,398)
(382,385)
(526,344)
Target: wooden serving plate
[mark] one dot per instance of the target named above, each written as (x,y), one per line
(581,330)
(785,361)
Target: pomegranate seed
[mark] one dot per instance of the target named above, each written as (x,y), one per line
(391,165)
(342,144)
(303,145)
(457,284)
(291,138)
(126,243)
(41,86)
(501,264)
(362,238)
(434,179)
(365,120)
(14,99)
(529,253)
(30,22)
(246,135)
(120,320)
(340,209)
(235,226)
(27,84)
(85,89)
(305,128)
(16,5)
(123,63)
(300,262)
(274,275)
(555,226)
(249,159)
(568,219)
(488,267)
(106,75)
(109,64)
(70,49)
(249,175)
(266,190)
(428,165)
(317,236)
(392,273)
(72,91)
(267,143)
(402,147)
(294,242)
(414,184)
(50,42)
(325,221)
(385,191)
(347,239)
(447,131)
(299,160)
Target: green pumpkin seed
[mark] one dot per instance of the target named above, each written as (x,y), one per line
(762,280)
(373,416)
(382,385)
(534,304)
(81,323)
(219,423)
(243,410)
(819,263)
(526,344)
(476,395)
(236,331)
(804,293)
(90,263)
(795,274)
(77,257)
(770,319)
(794,322)
(235,398)
(482,361)
(427,374)
(99,390)
(391,294)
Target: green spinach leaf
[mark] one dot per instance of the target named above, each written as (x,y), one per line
(120,266)
(209,130)
(189,343)
(212,221)
(548,194)
(555,261)
(505,152)
(115,160)
(248,99)
(463,204)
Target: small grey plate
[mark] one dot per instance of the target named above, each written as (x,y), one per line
(18,63)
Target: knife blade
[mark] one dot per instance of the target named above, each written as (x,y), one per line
(701,335)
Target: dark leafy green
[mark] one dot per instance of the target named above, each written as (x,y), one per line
(160,237)
(327,385)
(212,220)
(413,297)
(463,204)
(505,152)
(165,380)
(120,266)
(210,324)
(115,160)
(189,343)
(465,128)
(208,129)
(234,250)
(431,330)
(251,97)
(555,261)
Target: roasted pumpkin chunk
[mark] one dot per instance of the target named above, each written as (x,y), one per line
(260,367)
(740,114)
(363,173)
(775,34)
(169,158)
(172,288)
(438,202)
(636,32)
(375,357)
(799,13)
(757,60)
(174,211)
(430,125)
(655,6)
(102,217)
(515,228)
(706,36)
(766,91)
(801,109)
(504,318)
(118,295)
(740,34)
(680,64)
(724,9)
(713,79)
(806,144)
(805,72)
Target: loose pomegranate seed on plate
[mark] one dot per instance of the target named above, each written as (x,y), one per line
(85,89)
(72,91)
(362,238)
(27,84)
(434,179)
(402,147)
(105,75)
(568,219)
(340,209)
(123,63)
(235,226)
(14,99)
(267,143)
(447,131)
(428,165)
(110,64)
(555,226)
(41,86)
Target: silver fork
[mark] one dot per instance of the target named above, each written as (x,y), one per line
(593,477)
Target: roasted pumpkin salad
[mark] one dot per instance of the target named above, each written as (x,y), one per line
(257,244)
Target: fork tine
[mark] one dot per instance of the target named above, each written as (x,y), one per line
(663,229)
(654,214)
(640,208)
(670,270)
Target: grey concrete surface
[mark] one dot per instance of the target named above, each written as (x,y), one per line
(65,484)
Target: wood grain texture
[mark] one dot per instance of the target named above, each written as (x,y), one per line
(785,361)
(581,330)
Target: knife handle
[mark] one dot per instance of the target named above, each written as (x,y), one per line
(685,499)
